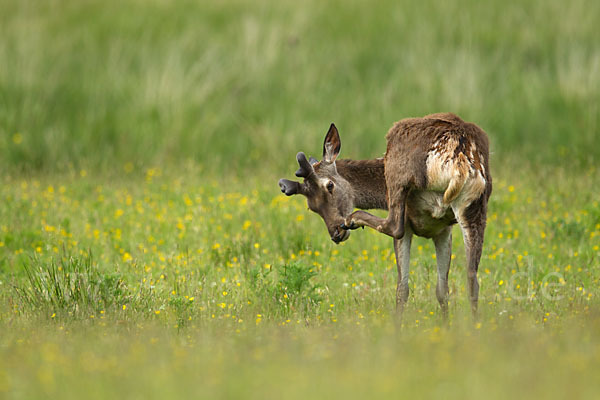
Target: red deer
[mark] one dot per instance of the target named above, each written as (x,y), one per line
(435,173)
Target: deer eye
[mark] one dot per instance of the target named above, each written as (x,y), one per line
(329,187)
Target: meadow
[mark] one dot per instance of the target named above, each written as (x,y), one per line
(145,248)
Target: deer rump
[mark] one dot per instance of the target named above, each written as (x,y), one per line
(442,160)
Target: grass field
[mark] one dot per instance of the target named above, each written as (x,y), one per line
(146,251)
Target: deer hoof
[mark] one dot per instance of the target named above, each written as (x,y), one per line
(350,226)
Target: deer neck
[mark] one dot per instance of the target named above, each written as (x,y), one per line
(367,180)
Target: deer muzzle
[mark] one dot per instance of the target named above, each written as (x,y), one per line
(340,235)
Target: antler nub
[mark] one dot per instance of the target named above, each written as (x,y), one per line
(306,169)
(289,187)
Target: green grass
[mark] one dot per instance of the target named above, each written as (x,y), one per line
(146,251)
(103,359)
(242,294)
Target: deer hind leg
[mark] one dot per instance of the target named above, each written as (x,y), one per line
(443,255)
(402,250)
(392,226)
(472,223)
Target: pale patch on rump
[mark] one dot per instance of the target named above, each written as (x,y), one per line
(459,177)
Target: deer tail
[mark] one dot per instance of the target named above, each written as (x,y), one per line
(458,180)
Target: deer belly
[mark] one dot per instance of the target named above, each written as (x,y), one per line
(429,202)
(427,214)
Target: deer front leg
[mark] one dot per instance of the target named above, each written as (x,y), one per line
(402,250)
(443,255)
(360,219)
(392,226)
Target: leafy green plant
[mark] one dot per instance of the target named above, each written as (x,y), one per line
(295,289)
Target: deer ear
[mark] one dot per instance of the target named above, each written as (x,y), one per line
(332,145)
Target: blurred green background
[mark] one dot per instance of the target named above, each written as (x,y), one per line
(146,251)
(238,87)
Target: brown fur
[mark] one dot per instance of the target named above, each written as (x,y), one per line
(371,194)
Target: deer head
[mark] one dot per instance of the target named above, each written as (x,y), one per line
(327,192)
